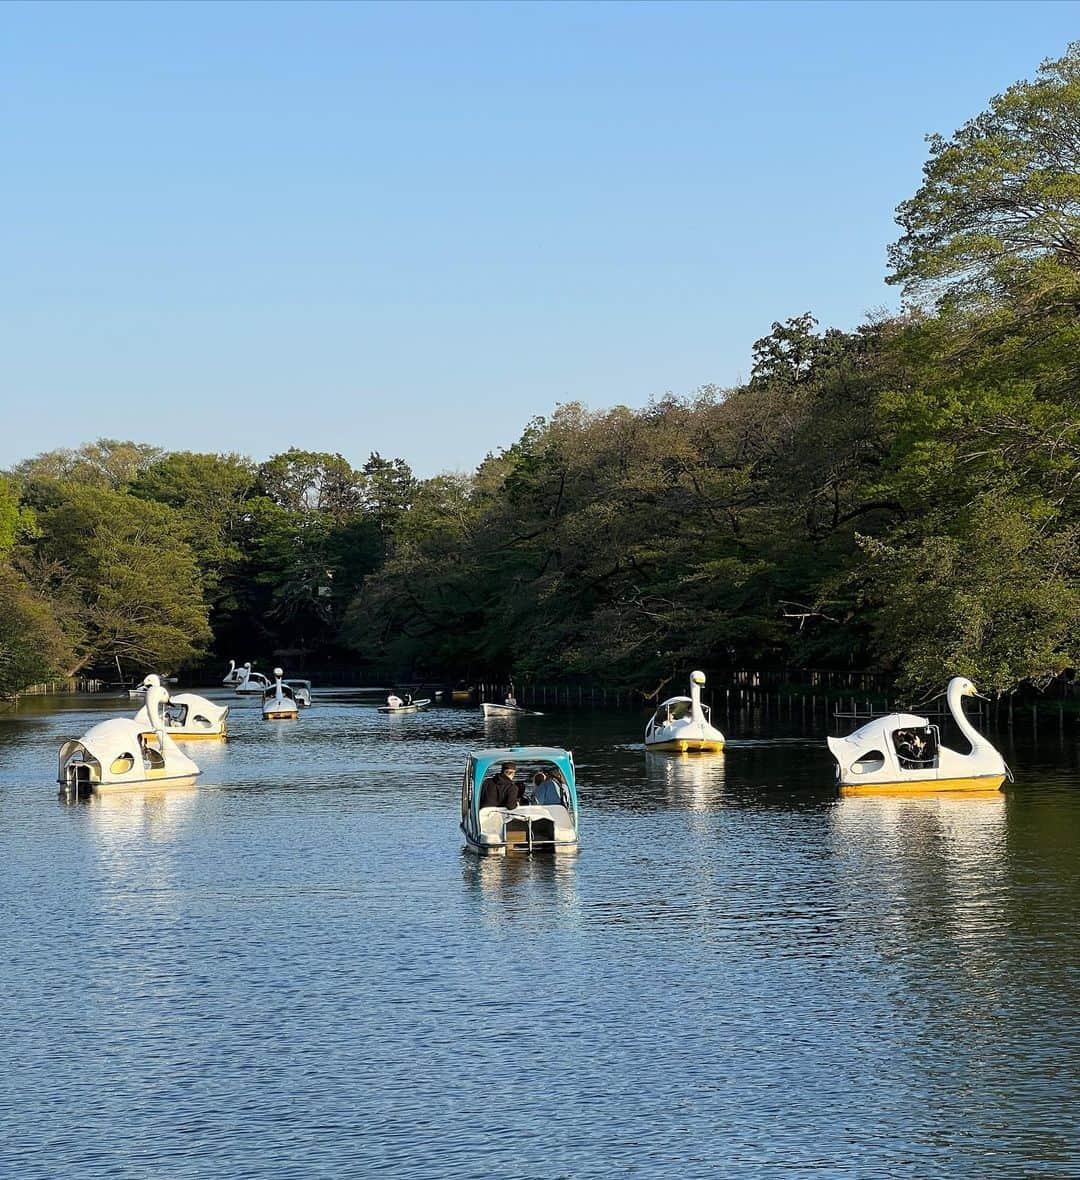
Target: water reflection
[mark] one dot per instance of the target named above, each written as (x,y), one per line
(694,781)
(521,887)
(783,948)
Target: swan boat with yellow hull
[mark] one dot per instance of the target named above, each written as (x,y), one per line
(902,754)
(185,717)
(122,753)
(683,725)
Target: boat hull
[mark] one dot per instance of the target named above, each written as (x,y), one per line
(686,746)
(981,784)
(150,783)
(558,848)
(280,715)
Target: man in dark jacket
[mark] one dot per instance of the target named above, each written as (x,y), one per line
(501,791)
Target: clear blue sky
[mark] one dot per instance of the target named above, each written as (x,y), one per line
(411,227)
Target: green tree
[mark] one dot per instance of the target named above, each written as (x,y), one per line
(999,208)
(132,576)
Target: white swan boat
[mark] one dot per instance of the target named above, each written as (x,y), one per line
(279,703)
(684,725)
(547,819)
(903,751)
(233,675)
(301,690)
(121,753)
(250,683)
(186,716)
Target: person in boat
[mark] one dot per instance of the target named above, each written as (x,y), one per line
(394,701)
(545,789)
(511,700)
(501,791)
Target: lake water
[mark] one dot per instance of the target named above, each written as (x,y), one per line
(295,971)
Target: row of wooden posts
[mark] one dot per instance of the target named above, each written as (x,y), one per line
(843,710)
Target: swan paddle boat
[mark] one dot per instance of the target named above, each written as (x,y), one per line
(903,752)
(250,683)
(684,725)
(301,690)
(121,753)
(233,675)
(278,702)
(547,819)
(186,716)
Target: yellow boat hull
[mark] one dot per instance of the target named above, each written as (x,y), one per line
(687,746)
(930,786)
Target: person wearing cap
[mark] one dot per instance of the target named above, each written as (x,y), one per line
(501,791)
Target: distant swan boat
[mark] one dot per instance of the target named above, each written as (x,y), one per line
(684,725)
(186,716)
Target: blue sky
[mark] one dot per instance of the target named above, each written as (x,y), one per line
(410,228)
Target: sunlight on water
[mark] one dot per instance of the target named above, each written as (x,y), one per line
(295,970)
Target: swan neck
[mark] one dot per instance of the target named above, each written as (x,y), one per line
(956,707)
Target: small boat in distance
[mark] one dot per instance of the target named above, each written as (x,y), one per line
(396,704)
(250,683)
(490,709)
(903,752)
(278,702)
(546,820)
(684,725)
(233,675)
(185,717)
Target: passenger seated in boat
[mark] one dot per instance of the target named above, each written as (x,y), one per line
(394,701)
(545,790)
(501,791)
(914,750)
(511,700)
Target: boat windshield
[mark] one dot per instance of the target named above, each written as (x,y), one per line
(672,711)
(552,792)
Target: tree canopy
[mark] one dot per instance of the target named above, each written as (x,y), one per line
(904,496)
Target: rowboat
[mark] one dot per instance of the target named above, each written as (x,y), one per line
(411,707)
(493,710)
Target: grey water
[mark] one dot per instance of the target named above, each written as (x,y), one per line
(294,969)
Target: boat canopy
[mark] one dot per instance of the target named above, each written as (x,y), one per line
(676,708)
(526,757)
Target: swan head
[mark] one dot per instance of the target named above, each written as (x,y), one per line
(152,681)
(278,672)
(963,687)
(697,678)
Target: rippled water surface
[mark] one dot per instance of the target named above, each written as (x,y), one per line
(294,970)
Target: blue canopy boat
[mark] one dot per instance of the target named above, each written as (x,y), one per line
(547,821)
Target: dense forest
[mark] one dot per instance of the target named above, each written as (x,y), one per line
(905,496)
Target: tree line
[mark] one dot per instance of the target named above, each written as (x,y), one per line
(904,496)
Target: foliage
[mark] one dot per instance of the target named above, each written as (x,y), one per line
(129,577)
(905,495)
(33,647)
